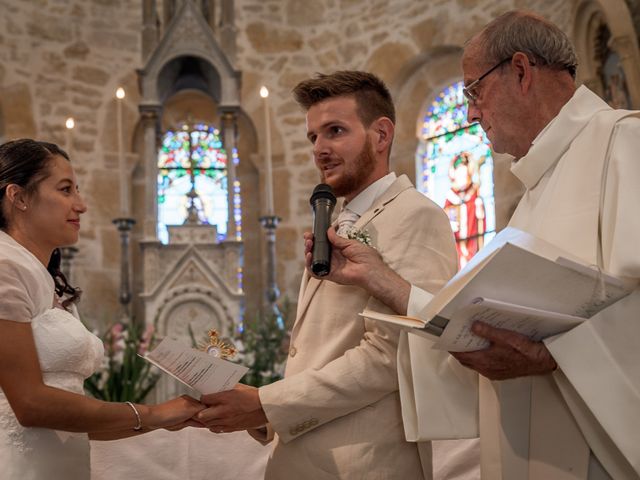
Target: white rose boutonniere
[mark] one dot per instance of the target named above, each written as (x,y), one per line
(362,236)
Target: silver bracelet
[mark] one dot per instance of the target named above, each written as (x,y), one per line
(139,421)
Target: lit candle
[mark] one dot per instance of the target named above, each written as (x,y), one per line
(70,123)
(124,176)
(264,93)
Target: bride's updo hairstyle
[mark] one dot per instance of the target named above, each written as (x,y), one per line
(24,163)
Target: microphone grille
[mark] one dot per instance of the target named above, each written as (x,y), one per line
(322,190)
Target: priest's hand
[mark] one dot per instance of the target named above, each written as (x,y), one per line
(509,355)
(353,263)
(233,410)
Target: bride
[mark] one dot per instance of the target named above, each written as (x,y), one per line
(45,352)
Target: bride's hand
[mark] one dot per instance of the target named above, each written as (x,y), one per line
(187,423)
(174,414)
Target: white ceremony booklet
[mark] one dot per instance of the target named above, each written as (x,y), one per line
(196,369)
(517,282)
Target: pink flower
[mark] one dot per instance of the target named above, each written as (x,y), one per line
(116,338)
(146,339)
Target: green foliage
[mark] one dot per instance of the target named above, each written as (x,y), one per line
(124,375)
(264,345)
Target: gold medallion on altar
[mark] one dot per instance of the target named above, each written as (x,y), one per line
(218,347)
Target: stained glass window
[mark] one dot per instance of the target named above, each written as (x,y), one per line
(455,169)
(192,172)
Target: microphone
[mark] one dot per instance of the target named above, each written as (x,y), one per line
(322,201)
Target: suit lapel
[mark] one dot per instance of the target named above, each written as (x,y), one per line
(401,184)
(310,285)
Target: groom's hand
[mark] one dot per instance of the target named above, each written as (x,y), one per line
(233,410)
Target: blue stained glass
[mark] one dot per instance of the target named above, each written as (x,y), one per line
(455,169)
(193,157)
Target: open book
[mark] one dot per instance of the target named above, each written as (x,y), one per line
(196,369)
(517,282)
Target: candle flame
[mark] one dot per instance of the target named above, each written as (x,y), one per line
(264,92)
(70,123)
(120,93)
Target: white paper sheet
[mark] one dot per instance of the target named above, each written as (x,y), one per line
(198,370)
(534,323)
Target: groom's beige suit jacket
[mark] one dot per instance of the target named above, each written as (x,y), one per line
(336,414)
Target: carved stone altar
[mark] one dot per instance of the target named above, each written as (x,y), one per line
(191,283)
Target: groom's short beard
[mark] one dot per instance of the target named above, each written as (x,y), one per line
(359,172)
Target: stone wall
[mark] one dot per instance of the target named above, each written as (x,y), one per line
(66,58)
(61,58)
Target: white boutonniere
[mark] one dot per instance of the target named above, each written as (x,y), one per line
(362,236)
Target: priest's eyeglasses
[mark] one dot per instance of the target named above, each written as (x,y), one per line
(470,90)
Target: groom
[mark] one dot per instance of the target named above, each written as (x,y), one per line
(336,414)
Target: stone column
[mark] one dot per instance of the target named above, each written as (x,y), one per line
(228,30)
(149,27)
(150,117)
(168,10)
(209,12)
(229,124)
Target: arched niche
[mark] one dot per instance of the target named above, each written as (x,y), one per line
(590,18)
(187,73)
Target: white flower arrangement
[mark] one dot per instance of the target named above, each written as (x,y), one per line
(363,236)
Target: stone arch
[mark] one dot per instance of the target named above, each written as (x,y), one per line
(588,16)
(420,80)
(219,316)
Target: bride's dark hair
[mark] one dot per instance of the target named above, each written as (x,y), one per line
(65,291)
(24,163)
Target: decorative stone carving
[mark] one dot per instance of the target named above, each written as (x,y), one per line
(185,234)
(188,34)
(189,288)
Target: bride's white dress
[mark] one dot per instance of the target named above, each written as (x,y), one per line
(68,353)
